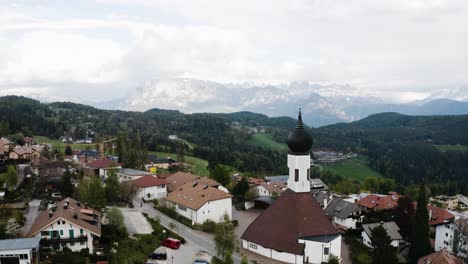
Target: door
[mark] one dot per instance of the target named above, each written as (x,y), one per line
(71,233)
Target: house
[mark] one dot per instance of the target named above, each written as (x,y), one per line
(200,202)
(448,202)
(462,201)
(443,222)
(317,184)
(150,187)
(271,188)
(393,231)
(441,257)
(280,178)
(132,174)
(344,214)
(68,224)
(101,167)
(5,147)
(294,229)
(379,202)
(453,237)
(21,152)
(180,178)
(21,250)
(164,163)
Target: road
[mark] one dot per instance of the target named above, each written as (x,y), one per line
(31,215)
(203,240)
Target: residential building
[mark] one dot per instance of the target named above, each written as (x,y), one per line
(132,174)
(442,222)
(68,224)
(345,215)
(271,188)
(102,167)
(453,237)
(200,202)
(5,147)
(379,202)
(294,229)
(21,152)
(393,231)
(462,201)
(181,178)
(150,187)
(441,257)
(448,202)
(21,250)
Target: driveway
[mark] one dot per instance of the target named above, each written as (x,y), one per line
(31,215)
(200,239)
(245,218)
(135,222)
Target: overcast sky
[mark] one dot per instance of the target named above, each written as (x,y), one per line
(102,48)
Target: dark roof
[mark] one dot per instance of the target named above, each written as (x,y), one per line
(89,153)
(281,178)
(104,163)
(148,181)
(392,229)
(340,208)
(292,216)
(299,141)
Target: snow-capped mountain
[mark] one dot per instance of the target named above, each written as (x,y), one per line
(321,104)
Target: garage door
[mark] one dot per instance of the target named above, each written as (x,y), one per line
(9,260)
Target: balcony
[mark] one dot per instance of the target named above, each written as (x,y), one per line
(55,240)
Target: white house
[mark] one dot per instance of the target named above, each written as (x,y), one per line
(150,187)
(392,229)
(294,229)
(102,167)
(199,202)
(68,224)
(180,178)
(271,188)
(344,213)
(453,237)
(21,251)
(132,174)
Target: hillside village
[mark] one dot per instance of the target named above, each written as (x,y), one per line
(85,204)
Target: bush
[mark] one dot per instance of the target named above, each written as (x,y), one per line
(208,226)
(155,203)
(235,223)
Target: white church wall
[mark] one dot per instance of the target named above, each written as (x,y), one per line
(315,252)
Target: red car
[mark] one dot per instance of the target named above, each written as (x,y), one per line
(171,243)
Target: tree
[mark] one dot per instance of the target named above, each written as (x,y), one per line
(113,186)
(221,174)
(333,260)
(244,260)
(92,192)
(68,150)
(225,240)
(128,190)
(404,214)
(67,188)
(420,244)
(10,177)
(115,218)
(241,188)
(382,252)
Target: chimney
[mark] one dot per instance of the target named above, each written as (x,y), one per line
(325,203)
(430,214)
(65,206)
(51,213)
(268,183)
(86,205)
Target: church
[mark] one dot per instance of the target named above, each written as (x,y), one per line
(294,229)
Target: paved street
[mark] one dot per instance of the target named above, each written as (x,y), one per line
(186,254)
(30,215)
(135,222)
(203,240)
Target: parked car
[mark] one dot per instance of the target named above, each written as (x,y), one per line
(201,261)
(171,243)
(158,254)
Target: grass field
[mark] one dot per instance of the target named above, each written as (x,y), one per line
(57,144)
(199,166)
(451,147)
(355,169)
(265,140)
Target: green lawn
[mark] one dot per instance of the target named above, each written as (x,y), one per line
(199,166)
(451,147)
(265,140)
(61,145)
(355,169)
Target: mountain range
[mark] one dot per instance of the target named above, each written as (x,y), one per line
(321,104)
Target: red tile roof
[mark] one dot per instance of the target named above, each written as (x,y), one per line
(438,215)
(255,181)
(292,216)
(149,181)
(104,163)
(376,202)
(195,196)
(441,257)
(180,178)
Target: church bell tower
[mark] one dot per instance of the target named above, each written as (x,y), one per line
(299,143)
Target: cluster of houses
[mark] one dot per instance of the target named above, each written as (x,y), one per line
(29,151)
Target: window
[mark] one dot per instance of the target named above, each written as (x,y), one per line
(44,233)
(296,175)
(61,232)
(163,186)
(81,231)
(182,208)
(326,250)
(253,246)
(58,222)
(446,234)
(63,222)
(308,174)
(23,256)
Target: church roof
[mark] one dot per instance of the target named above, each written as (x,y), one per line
(292,216)
(299,141)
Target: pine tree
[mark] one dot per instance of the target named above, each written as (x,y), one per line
(382,252)
(420,244)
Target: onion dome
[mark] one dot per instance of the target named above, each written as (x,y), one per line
(299,141)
